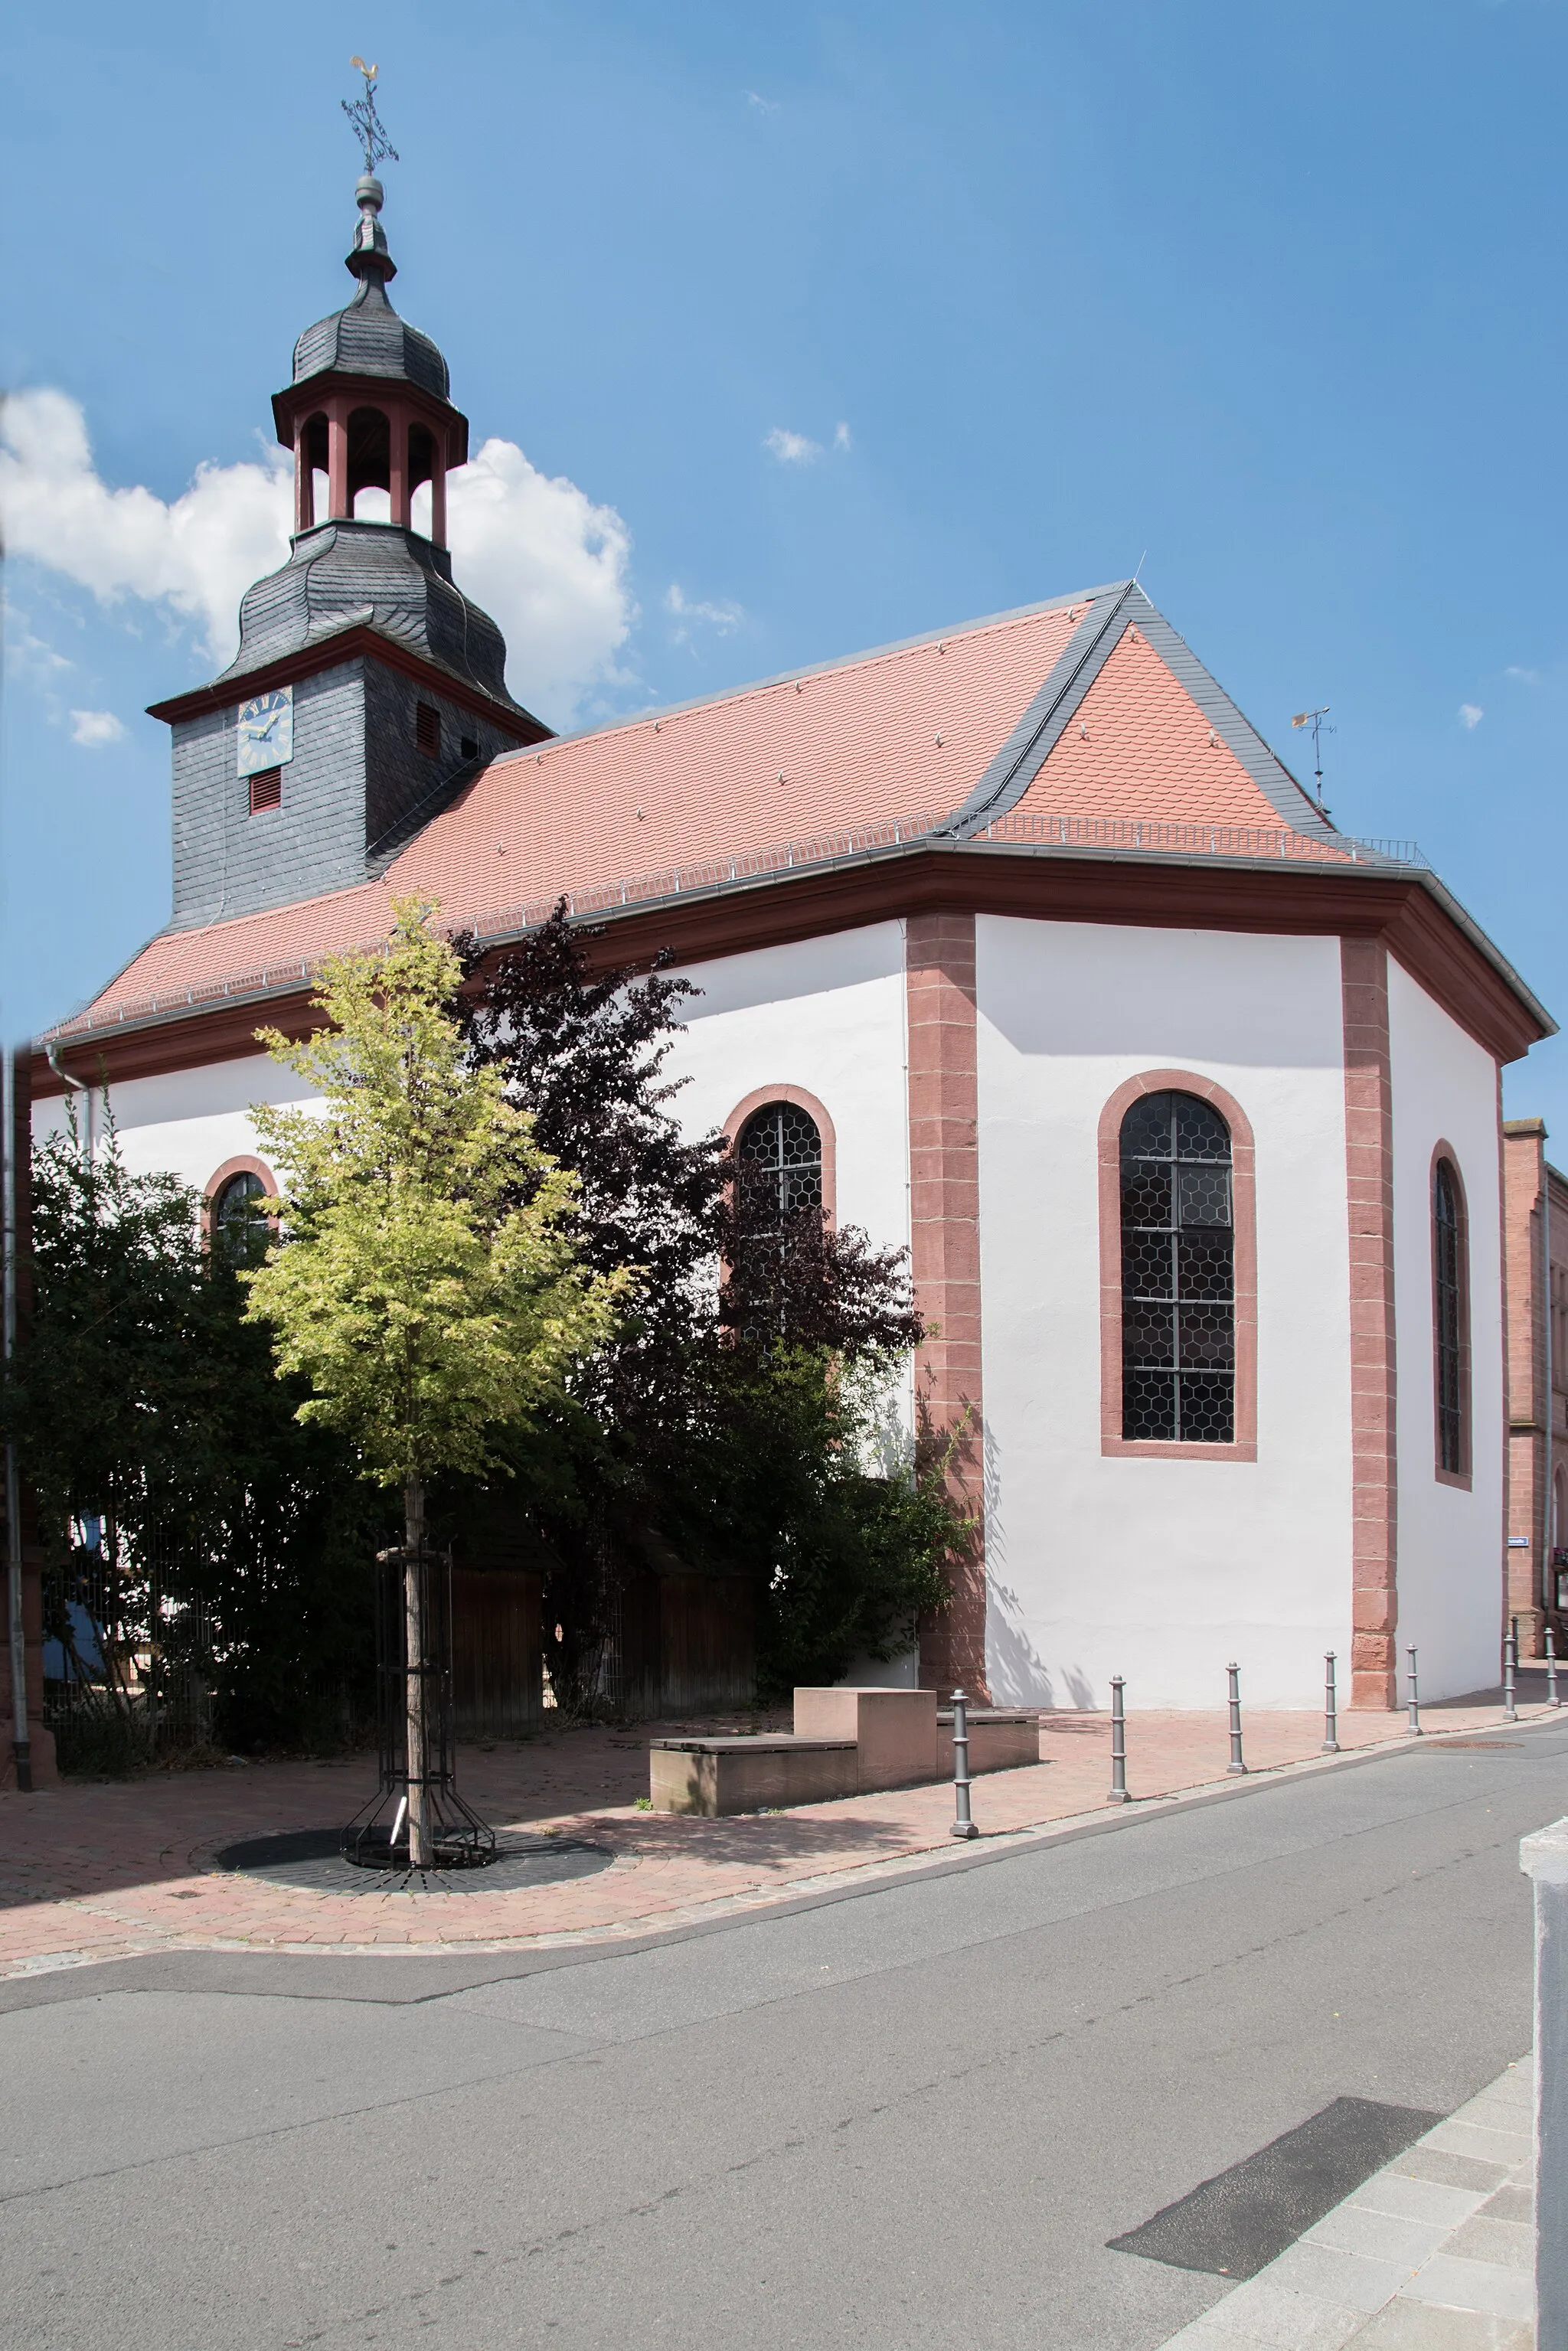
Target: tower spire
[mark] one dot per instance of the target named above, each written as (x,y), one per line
(369,257)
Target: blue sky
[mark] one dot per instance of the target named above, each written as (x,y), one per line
(1268,297)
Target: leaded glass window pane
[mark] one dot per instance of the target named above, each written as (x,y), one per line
(1178,1272)
(780,1155)
(236,1228)
(1448,1302)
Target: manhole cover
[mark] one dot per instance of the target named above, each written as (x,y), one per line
(310,1861)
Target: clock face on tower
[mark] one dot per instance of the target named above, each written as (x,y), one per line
(265,731)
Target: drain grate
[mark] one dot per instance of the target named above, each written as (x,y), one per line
(1238,2222)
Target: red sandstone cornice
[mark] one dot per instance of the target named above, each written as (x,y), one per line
(1411,915)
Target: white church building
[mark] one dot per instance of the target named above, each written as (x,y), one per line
(1015,939)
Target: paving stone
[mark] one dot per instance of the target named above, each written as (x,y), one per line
(1474,2285)
(1455,2137)
(1510,2243)
(1510,2204)
(1516,2088)
(1264,2317)
(1348,2281)
(1428,2162)
(1420,2199)
(1380,2236)
(1404,2325)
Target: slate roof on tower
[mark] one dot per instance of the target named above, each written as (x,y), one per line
(1081,723)
(346,574)
(367,337)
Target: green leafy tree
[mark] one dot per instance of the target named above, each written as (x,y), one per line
(230,1536)
(428,1287)
(730,1420)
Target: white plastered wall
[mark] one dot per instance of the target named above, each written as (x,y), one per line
(1162,1570)
(825,1015)
(1450,1540)
(190,1121)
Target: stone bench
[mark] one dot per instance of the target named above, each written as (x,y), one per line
(1001,1739)
(771,1772)
(845,1743)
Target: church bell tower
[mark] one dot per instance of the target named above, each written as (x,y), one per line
(367,689)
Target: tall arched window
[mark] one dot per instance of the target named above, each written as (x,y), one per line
(238,1229)
(779,1152)
(1178,1272)
(1450,1335)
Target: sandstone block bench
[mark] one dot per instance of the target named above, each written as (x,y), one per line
(845,1743)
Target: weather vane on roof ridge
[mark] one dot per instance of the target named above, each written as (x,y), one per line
(367,122)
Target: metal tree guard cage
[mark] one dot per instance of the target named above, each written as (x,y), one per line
(378,1838)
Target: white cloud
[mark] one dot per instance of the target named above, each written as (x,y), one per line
(94,729)
(1470,714)
(762,105)
(550,566)
(533,550)
(842,436)
(725,616)
(197,554)
(1528,676)
(791,448)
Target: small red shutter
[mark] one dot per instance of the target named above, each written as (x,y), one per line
(427,728)
(266,790)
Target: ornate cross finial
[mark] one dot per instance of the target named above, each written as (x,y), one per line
(367,122)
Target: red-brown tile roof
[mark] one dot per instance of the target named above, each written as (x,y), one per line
(251,950)
(875,739)
(1138,747)
(906,732)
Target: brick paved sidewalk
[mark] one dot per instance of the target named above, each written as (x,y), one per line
(105,1869)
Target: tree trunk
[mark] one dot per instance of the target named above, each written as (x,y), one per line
(419,1854)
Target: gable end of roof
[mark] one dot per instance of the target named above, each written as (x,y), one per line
(1297,809)
(1033,740)
(1115,610)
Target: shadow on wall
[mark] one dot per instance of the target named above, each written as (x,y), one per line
(1019,1676)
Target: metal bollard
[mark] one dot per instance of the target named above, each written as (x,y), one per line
(1118,1794)
(963,1824)
(1416,1730)
(1331,1707)
(1510,1667)
(1234,1764)
(1552,1697)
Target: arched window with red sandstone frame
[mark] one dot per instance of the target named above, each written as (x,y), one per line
(231,1219)
(1178,1271)
(784,1142)
(781,1149)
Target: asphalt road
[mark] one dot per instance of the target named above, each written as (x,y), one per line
(912,2116)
